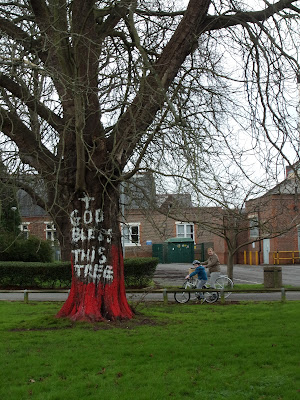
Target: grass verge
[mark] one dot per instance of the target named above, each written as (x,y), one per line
(245,351)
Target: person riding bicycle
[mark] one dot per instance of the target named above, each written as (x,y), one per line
(202,277)
(213,265)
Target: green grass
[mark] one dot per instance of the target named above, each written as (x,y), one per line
(246,351)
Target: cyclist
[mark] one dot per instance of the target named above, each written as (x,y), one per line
(213,265)
(202,277)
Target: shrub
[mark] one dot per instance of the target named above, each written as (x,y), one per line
(27,250)
(139,272)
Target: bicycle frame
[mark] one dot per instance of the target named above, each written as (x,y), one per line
(185,295)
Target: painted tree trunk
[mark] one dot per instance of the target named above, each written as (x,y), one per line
(98,289)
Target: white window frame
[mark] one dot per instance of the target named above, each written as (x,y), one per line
(128,241)
(24,228)
(253,230)
(185,233)
(51,230)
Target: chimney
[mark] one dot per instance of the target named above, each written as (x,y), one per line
(288,170)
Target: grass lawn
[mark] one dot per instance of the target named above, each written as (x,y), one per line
(237,352)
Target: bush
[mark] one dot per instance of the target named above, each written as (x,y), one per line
(27,250)
(139,272)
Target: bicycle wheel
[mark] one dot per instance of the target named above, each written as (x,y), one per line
(211,297)
(225,283)
(184,296)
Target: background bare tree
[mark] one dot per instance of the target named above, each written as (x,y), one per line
(88,89)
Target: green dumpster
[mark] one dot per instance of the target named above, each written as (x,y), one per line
(160,251)
(180,250)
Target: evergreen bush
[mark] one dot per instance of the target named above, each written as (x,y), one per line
(139,272)
(27,250)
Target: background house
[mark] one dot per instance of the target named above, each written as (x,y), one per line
(274,220)
(36,221)
(270,224)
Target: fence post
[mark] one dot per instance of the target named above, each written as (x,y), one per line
(222,296)
(165,294)
(25,296)
(283,295)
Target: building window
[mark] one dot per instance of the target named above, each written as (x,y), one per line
(131,234)
(51,233)
(254,229)
(185,230)
(24,229)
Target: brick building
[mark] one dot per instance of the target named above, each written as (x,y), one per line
(146,219)
(274,221)
(36,221)
(270,224)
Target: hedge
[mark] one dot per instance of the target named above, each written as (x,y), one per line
(138,272)
(28,275)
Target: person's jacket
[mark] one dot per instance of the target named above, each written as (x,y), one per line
(212,263)
(200,271)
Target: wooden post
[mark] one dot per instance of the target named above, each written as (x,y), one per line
(222,296)
(165,294)
(283,295)
(25,296)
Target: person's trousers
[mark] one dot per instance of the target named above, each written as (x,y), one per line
(213,277)
(200,284)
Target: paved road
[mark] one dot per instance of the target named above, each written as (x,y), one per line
(173,275)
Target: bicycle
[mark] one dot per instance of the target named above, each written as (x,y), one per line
(185,295)
(223,282)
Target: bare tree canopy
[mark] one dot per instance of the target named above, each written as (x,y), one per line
(93,91)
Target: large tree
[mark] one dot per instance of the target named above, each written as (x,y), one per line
(86,87)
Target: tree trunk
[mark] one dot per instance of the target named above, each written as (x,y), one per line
(230,264)
(98,289)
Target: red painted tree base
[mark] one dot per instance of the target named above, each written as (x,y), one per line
(90,302)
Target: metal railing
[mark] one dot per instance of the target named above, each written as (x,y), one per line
(278,256)
(253,257)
